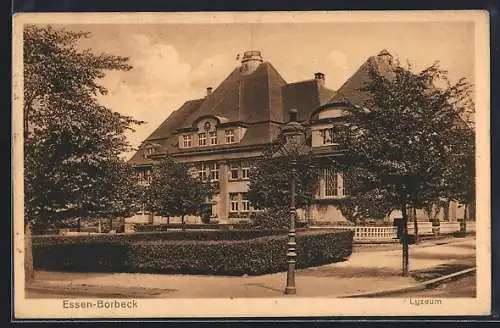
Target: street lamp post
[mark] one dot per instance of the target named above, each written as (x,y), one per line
(294,146)
(291,252)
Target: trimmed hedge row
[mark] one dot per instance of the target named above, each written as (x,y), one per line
(154,236)
(166,227)
(228,257)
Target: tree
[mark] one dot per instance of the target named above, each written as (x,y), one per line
(400,142)
(269,185)
(461,171)
(174,191)
(362,207)
(72,144)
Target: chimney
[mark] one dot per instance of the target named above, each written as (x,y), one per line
(293,115)
(320,77)
(209,91)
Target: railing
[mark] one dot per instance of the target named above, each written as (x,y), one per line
(389,233)
(470,226)
(375,233)
(368,233)
(449,227)
(424,228)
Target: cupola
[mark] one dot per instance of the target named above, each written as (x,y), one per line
(250,61)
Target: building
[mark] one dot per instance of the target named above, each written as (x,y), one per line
(224,132)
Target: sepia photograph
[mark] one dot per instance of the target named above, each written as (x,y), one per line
(251,164)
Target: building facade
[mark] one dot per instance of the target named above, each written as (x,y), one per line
(222,134)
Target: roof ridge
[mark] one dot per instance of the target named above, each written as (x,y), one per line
(270,66)
(170,117)
(303,81)
(364,66)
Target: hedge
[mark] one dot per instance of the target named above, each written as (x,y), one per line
(166,227)
(254,256)
(153,236)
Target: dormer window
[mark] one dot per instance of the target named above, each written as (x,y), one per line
(186,141)
(150,149)
(230,136)
(202,139)
(213,137)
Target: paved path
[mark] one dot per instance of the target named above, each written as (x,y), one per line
(364,271)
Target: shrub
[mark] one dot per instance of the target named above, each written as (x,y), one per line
(272,218)
(153,236)
(166,227)
(264,254)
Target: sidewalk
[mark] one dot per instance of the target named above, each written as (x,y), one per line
(363,272)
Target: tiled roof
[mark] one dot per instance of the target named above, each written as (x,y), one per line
(175,119)
(304,96)
(261,100)
(246,98)
(352,91)
(256,134)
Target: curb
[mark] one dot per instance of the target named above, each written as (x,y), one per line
(413,287)
(423,243)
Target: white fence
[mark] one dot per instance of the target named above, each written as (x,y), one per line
(449,227)
(470,226)
(369,233)
(424,228)
(389,233)
(362,233)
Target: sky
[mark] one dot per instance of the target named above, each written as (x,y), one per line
(173,63)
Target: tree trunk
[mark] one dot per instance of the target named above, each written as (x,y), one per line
(464,224)
(29,273)
(79,225)
(182,222)
(405,241)
(415,224)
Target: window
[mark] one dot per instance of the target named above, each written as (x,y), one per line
(204,172)
(214,172)
(234,171)
(333,183)
(245,203)
(328,136)
(213,137)
(246,206)
(208,171)
(145,176)
(202,139)
(150,151)
(345,184)
(186,141)
(230,136)
(245,171)
(194,172)
(234,202)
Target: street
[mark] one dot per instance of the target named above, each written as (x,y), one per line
(463,287)
(363,272)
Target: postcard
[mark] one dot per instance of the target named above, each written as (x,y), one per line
(251,164)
